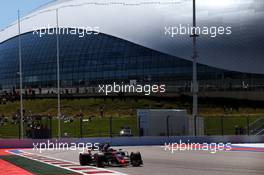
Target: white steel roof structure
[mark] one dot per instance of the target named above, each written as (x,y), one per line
(143,22)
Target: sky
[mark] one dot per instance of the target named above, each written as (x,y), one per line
(9,8)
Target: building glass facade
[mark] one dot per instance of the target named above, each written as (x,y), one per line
(100,59)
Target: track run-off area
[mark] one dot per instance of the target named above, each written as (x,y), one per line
(241,161)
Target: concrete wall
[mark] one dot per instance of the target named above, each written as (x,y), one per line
(163,122)
(133,141)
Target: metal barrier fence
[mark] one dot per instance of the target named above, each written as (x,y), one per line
(43,127)
(233,125)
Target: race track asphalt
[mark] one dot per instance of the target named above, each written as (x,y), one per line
(157,161)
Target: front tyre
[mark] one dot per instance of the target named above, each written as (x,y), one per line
(99,160)
(85,159)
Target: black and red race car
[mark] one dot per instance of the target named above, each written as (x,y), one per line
(107,156)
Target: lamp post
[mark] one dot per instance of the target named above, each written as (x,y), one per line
(20,77)
(58,74)
(194,75)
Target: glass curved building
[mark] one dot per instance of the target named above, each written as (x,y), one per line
(121,53)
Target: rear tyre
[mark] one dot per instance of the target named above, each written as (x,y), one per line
(135,159)
(85,159)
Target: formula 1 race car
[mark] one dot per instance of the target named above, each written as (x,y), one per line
(107,156)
